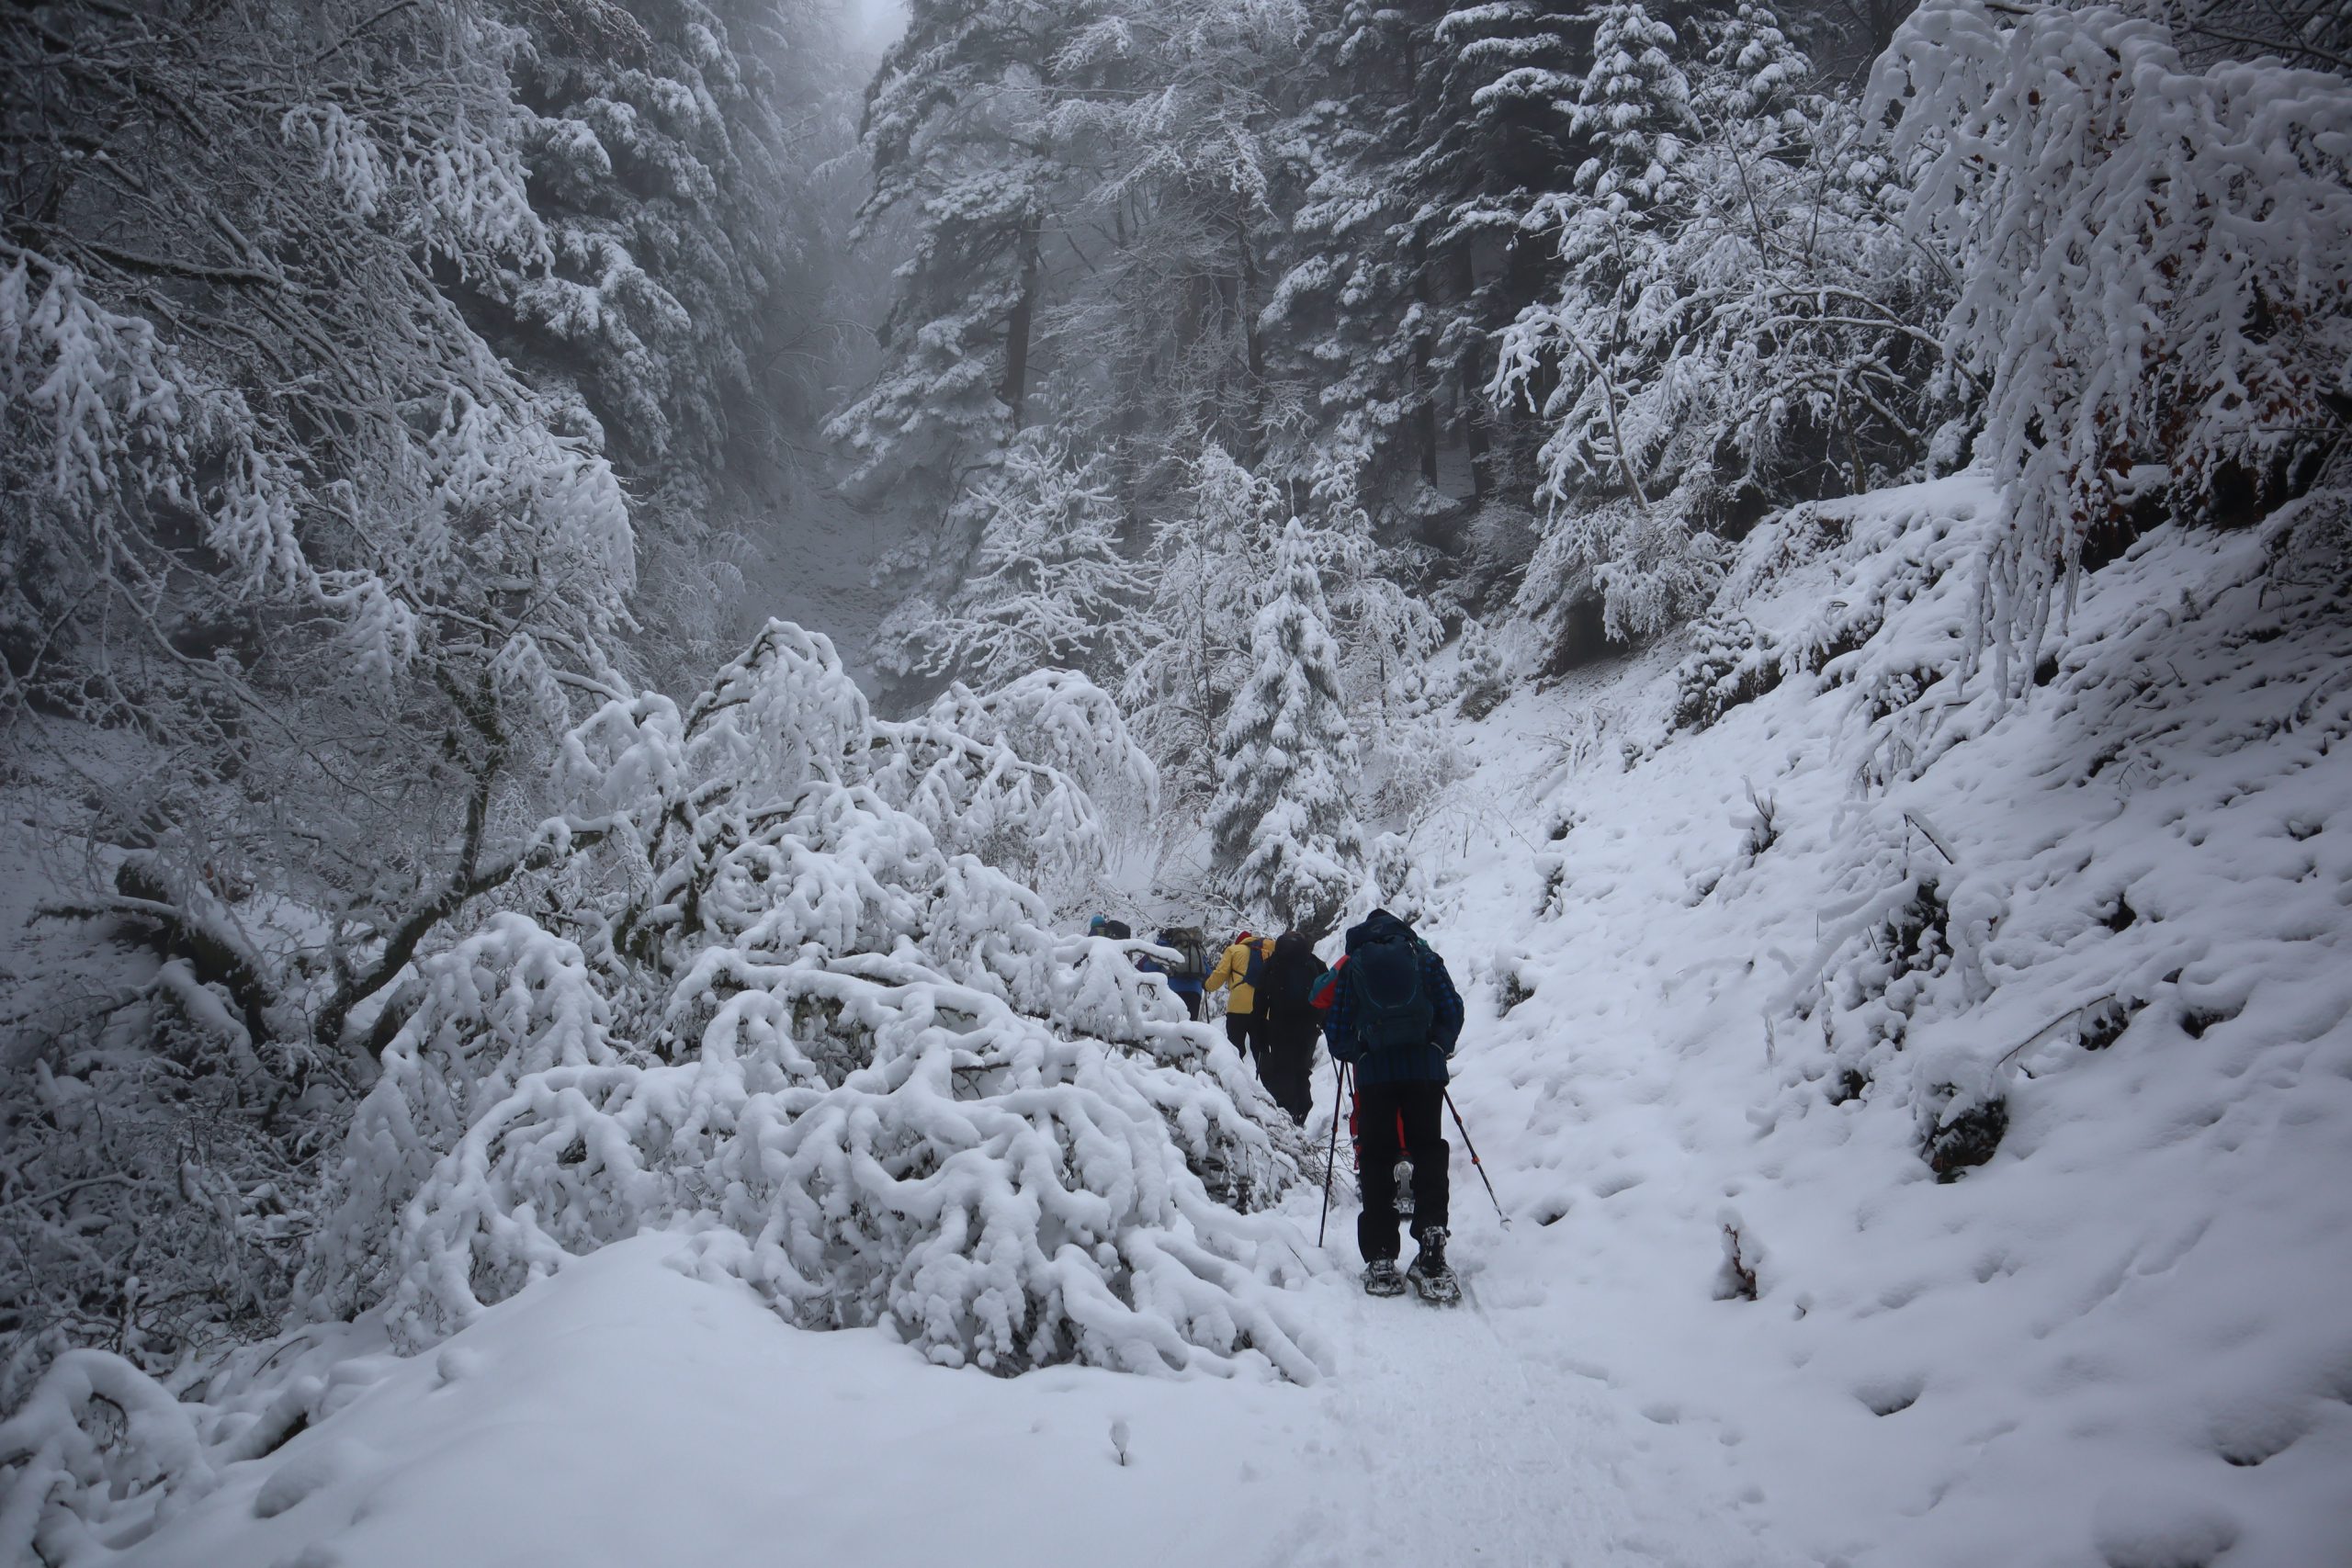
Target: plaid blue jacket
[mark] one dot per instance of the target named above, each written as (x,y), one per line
(1398,1064)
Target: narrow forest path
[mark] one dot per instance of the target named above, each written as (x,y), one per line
(1481,1434)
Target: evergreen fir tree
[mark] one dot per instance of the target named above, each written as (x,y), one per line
(1046,588)
(1196,625)
(683,261)
(1633,106)
(1284,830)
(1425,152)
(1089,191)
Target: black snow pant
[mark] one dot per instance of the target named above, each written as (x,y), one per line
(1380,1106)
(1286,1061)
(1248,1032)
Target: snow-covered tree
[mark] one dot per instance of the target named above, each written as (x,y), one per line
(1632,108)
(672,151)
(1422,147)
(2155,267)
(1740,322)
(897,1094)
(1484,680)
(1385,633)
(1206,589)
(1089,188)
(778,1005)
(309,547)
(1067,735)
(1282,825)
(1047,587)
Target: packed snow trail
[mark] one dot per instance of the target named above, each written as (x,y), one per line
(1477,1434)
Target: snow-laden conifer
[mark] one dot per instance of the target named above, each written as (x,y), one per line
(1047,587)
(1283,826)
(1739,322)
(1206,577)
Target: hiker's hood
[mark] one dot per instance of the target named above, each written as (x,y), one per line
(1378,926)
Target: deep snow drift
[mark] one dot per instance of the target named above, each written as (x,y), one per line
(1733,985)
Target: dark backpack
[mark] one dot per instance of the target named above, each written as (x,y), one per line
(1191,951)
(1117,931)
(1253,964)
(1387,1003)
(1291,974)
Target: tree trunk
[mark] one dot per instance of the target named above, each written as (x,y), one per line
(1424,383)
(1015,390)
(1253,340)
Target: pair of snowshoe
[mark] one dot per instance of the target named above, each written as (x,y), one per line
(1430,1275)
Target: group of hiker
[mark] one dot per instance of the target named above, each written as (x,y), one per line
(1389,1011)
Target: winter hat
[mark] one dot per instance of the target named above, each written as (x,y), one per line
(1096,924)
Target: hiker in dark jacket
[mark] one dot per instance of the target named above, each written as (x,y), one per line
(1190,971)
(1285,1000)
(1394,1015)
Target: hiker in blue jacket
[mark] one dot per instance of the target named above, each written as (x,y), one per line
(1189,974)
(1394,1015)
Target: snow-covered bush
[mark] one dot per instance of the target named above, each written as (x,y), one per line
(1885,946)
(1730,662)
(2155,262)
(1485,683)
(1395,881)
(871,1073)
(772,1000)
(1646,567)
(1042,779)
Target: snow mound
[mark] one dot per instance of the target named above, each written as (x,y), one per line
(626,1412)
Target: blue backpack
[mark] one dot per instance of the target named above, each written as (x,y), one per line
(1387,1003)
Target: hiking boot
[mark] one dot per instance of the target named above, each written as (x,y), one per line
(1430,1274)
(1405,1189)
(1381,1279)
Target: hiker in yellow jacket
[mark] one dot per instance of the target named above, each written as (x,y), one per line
(1238,972)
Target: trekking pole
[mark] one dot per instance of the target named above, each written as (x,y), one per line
(1474,1161)
(1331,1157)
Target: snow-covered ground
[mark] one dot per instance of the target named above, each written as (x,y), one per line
(625,1412)
(2114,907)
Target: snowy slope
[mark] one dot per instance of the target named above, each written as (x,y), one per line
(2124,1339)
